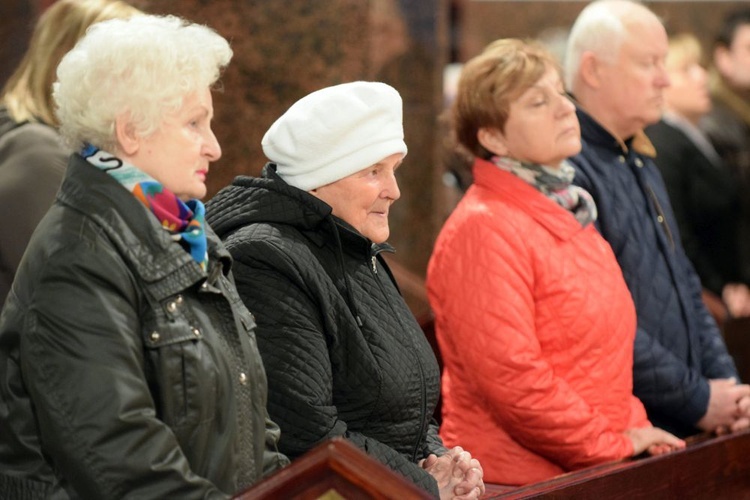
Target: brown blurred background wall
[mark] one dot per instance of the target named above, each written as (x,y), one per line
(285,49)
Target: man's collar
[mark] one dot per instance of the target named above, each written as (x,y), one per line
(639,142)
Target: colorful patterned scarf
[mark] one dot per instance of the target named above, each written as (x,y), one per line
(555,184)
(184,221)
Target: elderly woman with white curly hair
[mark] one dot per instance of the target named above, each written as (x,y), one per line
(128,364)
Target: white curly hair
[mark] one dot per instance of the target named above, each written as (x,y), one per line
(141,67)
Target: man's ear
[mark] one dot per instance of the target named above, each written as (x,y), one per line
(590,70)
(492,140)
(127,140)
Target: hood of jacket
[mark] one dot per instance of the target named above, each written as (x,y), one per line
(266,199)
(269,199)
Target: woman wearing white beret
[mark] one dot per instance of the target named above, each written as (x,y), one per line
(343,354)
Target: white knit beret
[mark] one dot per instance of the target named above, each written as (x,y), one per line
(335,132)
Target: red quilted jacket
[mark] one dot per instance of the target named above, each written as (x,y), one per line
(535,326)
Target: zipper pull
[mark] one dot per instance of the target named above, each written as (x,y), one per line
(374,265)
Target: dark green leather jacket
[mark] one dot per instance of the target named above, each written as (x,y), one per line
(126,371)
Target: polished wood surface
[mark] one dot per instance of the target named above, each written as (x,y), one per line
(709,468)
(334,468)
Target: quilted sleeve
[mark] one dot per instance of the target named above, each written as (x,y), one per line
(484,294)
(715,359)
(433,443)
(665,384)
(293,344)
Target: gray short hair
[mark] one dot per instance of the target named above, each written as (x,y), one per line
(600,28)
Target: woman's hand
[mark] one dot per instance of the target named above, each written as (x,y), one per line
(457,474)
(653,440)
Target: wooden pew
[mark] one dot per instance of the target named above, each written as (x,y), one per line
(334,470)
(709,468)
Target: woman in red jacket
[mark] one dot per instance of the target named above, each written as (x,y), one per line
(534,320)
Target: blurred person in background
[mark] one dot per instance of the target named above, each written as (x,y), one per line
(727,125)
(705,198)
(32,157)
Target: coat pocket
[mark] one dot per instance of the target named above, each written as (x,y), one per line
(184,380)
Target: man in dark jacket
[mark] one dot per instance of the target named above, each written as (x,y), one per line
(343,353)
(682,371)
(728,123)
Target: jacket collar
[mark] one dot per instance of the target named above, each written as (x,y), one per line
(269,199)
(526,198)
(139,238)
(265,199)
(596,134)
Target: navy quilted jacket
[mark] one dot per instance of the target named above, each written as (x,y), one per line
(343,354)
(678,346)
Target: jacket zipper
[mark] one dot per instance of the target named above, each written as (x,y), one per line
(422,426)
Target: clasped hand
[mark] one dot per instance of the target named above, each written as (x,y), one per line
(458,475)
(728,407)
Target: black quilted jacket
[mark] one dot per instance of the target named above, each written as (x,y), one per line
(343,353)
